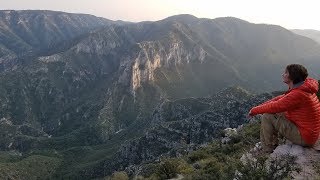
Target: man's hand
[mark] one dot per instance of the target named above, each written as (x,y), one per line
(249,116)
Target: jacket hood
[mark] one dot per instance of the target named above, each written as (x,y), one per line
(310,85)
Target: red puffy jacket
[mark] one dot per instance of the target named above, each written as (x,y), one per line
(301,106)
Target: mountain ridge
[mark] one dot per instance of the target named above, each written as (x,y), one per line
(25,33)
(105,85)
(310,33)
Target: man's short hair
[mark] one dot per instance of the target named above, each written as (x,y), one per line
(297,73)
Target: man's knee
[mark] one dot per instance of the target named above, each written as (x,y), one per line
(267,119)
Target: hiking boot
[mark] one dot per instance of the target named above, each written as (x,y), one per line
(262,151)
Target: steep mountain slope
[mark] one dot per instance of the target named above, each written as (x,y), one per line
(178,127)
(112,76)
(250,52)
(63,91)
(310,33)
(29,32)
(255,50)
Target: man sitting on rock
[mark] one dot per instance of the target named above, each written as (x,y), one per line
(294,115)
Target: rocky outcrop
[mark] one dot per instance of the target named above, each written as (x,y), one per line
(306,158)
(287,160)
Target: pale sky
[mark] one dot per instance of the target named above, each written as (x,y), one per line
(291,14)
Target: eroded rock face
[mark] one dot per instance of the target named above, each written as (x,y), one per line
(287,160)
(307,159)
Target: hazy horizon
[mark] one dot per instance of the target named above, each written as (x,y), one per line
(292,14)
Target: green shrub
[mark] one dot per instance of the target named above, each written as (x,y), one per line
(261,168)
(167,169)
(119,176)
(198,155)
(222,161)
(250,133)
(32,167)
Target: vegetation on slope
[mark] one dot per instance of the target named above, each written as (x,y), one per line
(32,167)
(220,161)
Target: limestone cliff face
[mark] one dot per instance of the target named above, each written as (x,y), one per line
(170,54)
(179,61)
(146,63)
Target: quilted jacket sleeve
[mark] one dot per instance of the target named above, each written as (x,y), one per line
(286,102)
(274,99)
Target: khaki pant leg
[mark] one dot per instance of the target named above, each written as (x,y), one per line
(271,125)
(289,130)
(268,133)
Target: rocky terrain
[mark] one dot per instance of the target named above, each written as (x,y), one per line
(91,96)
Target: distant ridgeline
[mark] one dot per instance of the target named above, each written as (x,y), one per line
(83,96)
